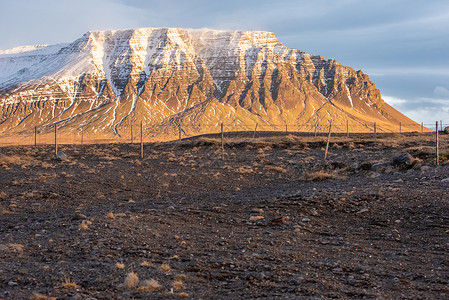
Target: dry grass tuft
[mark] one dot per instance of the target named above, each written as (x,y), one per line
(309,159)
(178,285)
(83,226)
(318,176)
(68,284)
(145,264)
(131,280)
(275,169)
(183,295)
(150,286)
(16,247)
(180,277)
(119,265)
(165,268)
(245,170)
(7,160)
(37,296)
(110,216)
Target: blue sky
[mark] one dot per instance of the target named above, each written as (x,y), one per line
(402,45)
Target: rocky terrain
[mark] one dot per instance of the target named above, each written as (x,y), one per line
(108,80)
(261,218)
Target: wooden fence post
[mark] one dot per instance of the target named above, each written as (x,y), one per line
(400,127)
(316,125)
(132,134)
(255,129)
(141,139)
(422,127)
(56,139)
(286,129)
(222,142)
(437,146)
(180,134)
(328,139)
(375,129)
(82,135)
(35,135)
(347,128)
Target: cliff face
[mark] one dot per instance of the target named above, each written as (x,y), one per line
(107,80)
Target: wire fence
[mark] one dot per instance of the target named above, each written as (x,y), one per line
(141,132)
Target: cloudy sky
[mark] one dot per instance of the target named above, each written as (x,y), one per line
(403,45)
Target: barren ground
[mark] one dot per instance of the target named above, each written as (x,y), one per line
(201,224)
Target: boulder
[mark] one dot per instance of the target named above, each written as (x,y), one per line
(61,156)
(404,159)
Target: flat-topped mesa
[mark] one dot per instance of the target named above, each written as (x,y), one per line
(107,79)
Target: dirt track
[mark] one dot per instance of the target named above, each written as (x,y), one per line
(363,231)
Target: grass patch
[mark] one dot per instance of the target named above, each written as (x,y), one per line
(318,176)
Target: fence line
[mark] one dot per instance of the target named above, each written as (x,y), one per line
(57,134)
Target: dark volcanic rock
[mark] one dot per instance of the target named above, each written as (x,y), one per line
(404,159)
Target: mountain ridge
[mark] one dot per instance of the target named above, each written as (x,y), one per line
(107,80)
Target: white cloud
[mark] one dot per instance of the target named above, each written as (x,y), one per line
(394,100)
(407,71)
(426,110)
(441,91)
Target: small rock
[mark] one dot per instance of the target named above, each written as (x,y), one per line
(365,166)
(305,220)
(362,210)
(257,210)
(255,218)
(61,156)
(80,217)
(380,166)
(12,283)
(445,179)
(280,220)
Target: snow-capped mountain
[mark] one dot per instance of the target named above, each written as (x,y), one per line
(106,80)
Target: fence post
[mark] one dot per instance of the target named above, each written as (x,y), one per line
(255,129)
(82,135)
(222,142)
(141,139)
(422,127)
(180,134)
(328,139)
(437,146)
(35,135)
(375,129)
(56,139)
(286,129)
(400,127)
(131,134)
(316,125)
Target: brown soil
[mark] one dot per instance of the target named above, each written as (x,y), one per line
(268,219)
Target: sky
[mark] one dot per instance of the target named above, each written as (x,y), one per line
(403,45)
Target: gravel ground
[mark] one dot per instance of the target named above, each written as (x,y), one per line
(265,218)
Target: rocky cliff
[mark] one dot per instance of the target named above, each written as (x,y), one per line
(107,80)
